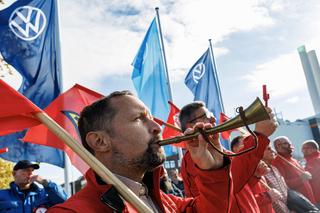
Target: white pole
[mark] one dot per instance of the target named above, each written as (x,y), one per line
(216,76)
(67,165)
(163,52)
(59,53)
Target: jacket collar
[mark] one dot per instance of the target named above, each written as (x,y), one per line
(313,156)
(110,196)
(34,189)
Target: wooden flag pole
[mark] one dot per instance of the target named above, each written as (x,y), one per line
(94,163)
(291,164)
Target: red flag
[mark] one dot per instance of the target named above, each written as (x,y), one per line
(16,111)
(65,110)
(226,134)
(173,119)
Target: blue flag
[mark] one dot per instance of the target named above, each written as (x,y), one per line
(202,80)
(29,41)
(149,74)
(150,79)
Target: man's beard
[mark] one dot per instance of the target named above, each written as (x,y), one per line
(148,161)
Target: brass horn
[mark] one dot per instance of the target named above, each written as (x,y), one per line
(252,114)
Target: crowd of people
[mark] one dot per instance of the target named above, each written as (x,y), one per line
(121,133)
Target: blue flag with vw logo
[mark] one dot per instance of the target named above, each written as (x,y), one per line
(203,82)
(29,41)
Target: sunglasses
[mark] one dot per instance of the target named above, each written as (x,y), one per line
(206,115)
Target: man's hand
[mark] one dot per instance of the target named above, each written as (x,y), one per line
(306,176)
(199,152)
(261,169)
(267,127)
(39,179)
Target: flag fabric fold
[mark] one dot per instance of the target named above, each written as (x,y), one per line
(16,111)
(173,119)
(149,74)
(226,134)
(29,41)
(65,110)
(203,82)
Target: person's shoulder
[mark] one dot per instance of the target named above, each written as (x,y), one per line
(59,209)
(4,192)
(74,204)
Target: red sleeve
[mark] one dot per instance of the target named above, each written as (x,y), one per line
(209,199)
(293,181)
(262,198)
(260,194)
(188,173)
(243,166)
(314,168)
(253,181)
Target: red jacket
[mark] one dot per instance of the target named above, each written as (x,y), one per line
(293,177)
(88,199)
(261,195)
(242,168)
(313,166)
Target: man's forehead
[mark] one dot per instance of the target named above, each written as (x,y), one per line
(200,110)
(130,103)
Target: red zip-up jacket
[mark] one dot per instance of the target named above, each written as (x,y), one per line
(242,169)
(261,195)
(212,197)
(293,177)
(313,166)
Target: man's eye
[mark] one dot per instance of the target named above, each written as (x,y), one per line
(137,118)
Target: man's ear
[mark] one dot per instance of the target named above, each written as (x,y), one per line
(99,141)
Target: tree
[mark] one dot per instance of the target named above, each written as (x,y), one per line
(6,168)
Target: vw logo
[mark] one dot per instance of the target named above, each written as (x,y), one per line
(27,22)
(198,72)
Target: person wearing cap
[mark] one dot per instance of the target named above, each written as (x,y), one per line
(24,195)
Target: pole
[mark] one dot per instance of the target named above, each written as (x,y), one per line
(94,163)
(216,75)
(163,52)
(165,65)
(59,61)
(66,170)
(291,164)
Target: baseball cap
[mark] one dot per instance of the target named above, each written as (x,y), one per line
(23,164)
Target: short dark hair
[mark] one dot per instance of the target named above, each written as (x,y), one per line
(187,111)
(98,116)
(235,141)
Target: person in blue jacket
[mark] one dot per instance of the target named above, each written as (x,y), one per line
(25,196)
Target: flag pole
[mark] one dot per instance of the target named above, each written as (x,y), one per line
(163,53)
(216,75)
(94,163)
(166,66)
(67,164)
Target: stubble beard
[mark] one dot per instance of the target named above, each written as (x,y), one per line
(148,161)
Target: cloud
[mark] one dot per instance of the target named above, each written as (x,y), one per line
(293,100)
(283,75)
(101,39)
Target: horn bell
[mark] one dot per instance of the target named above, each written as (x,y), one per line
(254,113)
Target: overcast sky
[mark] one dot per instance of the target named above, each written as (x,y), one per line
(255,42)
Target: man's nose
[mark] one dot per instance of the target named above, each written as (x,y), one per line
(155,127)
